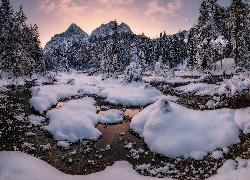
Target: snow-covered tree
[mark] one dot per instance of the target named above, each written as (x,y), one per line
(191,50)
(162,70)
(133,72)
(239,30)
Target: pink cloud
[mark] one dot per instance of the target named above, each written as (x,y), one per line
(108,2)
(168,10)
(61,7)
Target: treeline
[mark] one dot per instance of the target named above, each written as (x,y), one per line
(20,47)
(119,50)
(219,33)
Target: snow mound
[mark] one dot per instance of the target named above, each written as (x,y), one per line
(133,94)
(44,97)
(77,119)
(21,166)
(112,116)
(173,131)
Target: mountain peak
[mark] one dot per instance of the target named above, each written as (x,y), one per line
(108,29)
(74,29)
(71,37)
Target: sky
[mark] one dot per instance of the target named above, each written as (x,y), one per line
(148,16)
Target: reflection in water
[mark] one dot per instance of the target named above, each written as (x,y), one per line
(131,112)
(60,104)
(101,112)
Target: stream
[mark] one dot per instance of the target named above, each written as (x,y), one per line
(85,157)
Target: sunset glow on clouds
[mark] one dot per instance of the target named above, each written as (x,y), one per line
(148,16)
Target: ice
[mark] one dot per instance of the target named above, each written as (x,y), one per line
(36,120)
(77,119)
(173,131)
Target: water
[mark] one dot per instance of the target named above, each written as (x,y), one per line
(94,156)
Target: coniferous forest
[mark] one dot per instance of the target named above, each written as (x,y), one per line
(117,105)
(219,33)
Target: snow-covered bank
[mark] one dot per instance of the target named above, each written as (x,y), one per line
(5,82)
(21,166)
(173,131)
(67,85)
(229,86)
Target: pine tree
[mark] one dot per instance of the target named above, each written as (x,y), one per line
(6,35)
(239,31)
(191,50)
(161,69)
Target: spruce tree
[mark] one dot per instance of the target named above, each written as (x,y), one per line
(6,35)
(239,31)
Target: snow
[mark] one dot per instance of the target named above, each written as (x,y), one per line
(42,80)
(171,80)
(44,97)
(68,85)
(8,80)
(77,119)
(129,146)
(36,120)
(217,154)
(112,116)
(200,88)
(228,166)
(173,131)
(21,166)
(242,119)
(133,94)
(229,86)
(63,144)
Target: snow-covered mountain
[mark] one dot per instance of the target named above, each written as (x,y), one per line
(71,37)
(107,29)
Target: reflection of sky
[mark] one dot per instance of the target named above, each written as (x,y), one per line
(148,16)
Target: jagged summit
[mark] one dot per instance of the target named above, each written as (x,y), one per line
(74,29)
(107,29)
(74,34)
(71,37)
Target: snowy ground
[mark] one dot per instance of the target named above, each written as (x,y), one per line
(166,127)
(17,165)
